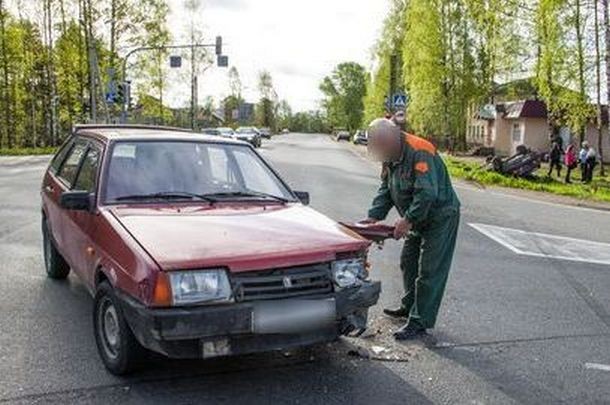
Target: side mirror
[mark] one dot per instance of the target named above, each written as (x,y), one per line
(76,200)
(303,196)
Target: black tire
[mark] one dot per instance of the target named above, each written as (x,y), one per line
(118,348)
(54,262)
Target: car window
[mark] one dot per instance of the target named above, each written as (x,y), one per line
(256,175)
(60,156)
(220,169)
(69,169)
(143,168)
(87,175)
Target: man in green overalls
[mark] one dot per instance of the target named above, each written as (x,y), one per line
(416,182)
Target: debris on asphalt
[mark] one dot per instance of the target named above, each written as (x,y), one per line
(378,343)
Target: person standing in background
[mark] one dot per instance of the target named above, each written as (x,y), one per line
(590,163)
(555,159)
(582,160)
(571,161)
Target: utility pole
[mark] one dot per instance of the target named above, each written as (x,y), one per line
(393,73)
(193,85)
(598,62)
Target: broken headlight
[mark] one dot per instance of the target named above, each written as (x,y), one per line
(349,272)
(200,286)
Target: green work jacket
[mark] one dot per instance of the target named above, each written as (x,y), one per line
(417,184)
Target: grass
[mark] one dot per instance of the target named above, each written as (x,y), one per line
(27,151)
(467,169)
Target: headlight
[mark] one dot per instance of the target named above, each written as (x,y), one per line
(190,287)
(347,273)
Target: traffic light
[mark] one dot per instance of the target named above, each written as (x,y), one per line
(120,94)
(123,93)
(219,45)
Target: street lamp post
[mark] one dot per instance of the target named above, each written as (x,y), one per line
(222,61)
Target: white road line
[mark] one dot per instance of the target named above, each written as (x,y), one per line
(597,366)
(545,245)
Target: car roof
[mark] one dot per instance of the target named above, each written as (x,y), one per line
(111,132)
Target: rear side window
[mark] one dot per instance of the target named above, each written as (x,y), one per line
(69,169)
(60,156)
(87,176)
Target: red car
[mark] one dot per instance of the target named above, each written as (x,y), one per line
(194,247)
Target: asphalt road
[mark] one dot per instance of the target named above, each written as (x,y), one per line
(519,324)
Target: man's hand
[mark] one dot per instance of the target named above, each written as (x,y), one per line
(401,228)
(368,221)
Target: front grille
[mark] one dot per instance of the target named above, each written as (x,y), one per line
(282,283)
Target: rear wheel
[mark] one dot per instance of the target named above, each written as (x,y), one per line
(54,262)
(116,344)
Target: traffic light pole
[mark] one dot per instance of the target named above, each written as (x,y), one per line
(217,45)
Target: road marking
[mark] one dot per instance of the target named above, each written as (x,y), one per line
(597,366)
(545,245)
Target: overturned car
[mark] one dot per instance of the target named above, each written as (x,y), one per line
(522,164)
(194,247)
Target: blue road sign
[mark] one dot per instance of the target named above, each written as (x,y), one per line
(110,97)
(399,100)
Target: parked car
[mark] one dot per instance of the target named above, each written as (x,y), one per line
(211,131)
(285,131)
(226,132)
(342,136)
(265,133)
(248,134)
(361,137)
(164,229)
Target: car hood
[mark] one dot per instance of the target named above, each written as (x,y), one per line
(240,238)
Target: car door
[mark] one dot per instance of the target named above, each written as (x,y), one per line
(81,224)
(57,183)
(51,189)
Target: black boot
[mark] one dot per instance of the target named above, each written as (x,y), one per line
(400,312)
(409,332)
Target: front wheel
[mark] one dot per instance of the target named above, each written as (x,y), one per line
(54,263)
(116,344)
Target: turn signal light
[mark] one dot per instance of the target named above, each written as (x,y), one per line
(162,294)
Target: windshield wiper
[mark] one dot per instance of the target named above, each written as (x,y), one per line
(246,194)
(168,195)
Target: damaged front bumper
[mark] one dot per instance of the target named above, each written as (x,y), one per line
(221,330)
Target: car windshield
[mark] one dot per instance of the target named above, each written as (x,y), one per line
(163,170)
(245,131)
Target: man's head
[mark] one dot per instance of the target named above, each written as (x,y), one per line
(585,145)
(384,140)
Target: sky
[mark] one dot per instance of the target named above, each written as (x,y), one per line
(297,41)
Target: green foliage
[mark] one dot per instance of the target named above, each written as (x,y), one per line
(344,91)
(47,60)
(309,122)
(390,43)
(48,150)
(599,190)
(265,109)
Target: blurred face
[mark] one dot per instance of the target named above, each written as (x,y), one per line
(384,148)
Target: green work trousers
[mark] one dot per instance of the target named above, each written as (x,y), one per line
(425,263)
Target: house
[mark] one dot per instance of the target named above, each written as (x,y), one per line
(508,124)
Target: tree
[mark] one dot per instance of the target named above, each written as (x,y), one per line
(235,85)
(283,115)
(387,56)
(155,34)
(265,109)
(606,24)
(344,91)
